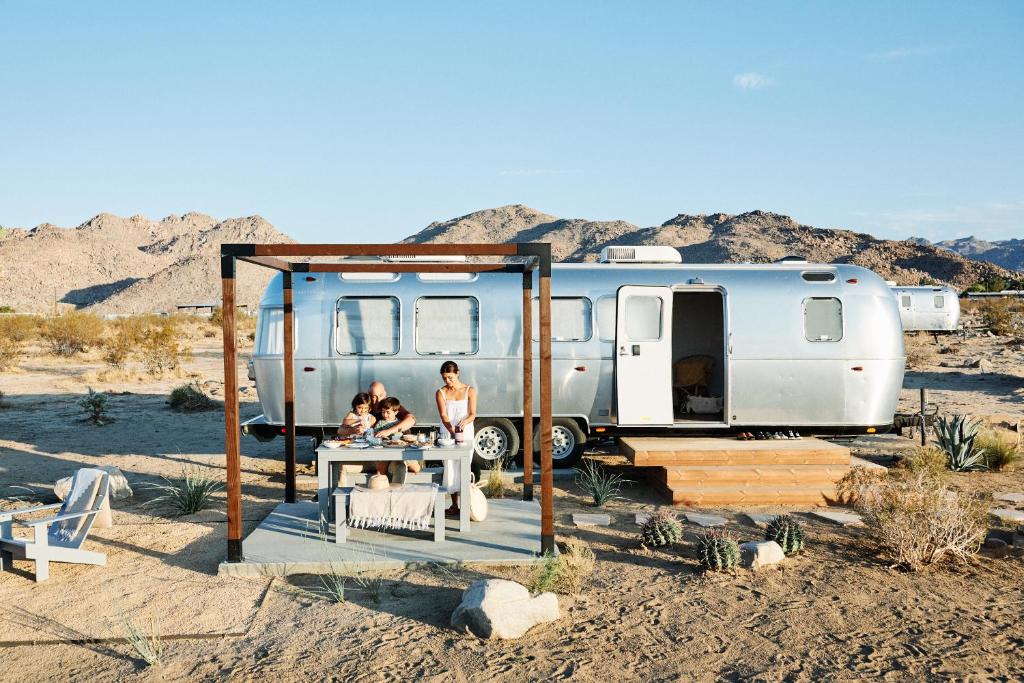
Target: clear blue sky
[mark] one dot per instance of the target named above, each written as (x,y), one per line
(343,122)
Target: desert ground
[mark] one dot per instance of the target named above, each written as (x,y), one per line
(837,611)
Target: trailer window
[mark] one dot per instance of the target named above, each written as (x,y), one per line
(819,276)
(571,319)
(906,301)
(823,319)
(940,301)
(368,325)
(271,341)
(447,325)
(606,318)
(643,318)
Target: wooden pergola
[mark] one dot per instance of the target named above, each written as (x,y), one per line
(522,258)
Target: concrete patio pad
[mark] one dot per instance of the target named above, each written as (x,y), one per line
(288,542)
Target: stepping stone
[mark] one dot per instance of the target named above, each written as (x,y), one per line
(705,521)
(840,518)
(641,518)
(1008,515)
(1008,497)
(583,519)
(758,519)
(866,464)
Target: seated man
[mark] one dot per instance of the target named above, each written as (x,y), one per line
(391,421)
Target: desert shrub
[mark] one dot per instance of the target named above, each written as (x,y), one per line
(160,349)
(194,492)
(189,398)
(575,565)
(717,549)
(999,448)
(6,309)
(956,437)
(914,517)
(147,645)
(19,328)
(72,332)
(10,353)
(135,327)
(660,529)
(997,316)
(601,484)
(95,406)
(118,348)
(494,486)
(545,574)
(926,459)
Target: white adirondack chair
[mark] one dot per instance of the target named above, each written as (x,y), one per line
(59,538)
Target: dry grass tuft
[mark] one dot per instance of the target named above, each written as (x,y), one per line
(576,565)
(915,517)
(190,398)
(997,315)
(926,459)
(1000,449)
(19,328)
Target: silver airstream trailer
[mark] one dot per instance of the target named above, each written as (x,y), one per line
(931,309)
(640,344)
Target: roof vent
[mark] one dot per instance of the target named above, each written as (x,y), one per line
(640,255)
(792,258)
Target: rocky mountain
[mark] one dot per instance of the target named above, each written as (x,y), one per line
(126,265)
(756,236)
(1006,253)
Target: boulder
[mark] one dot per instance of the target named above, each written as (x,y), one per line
(119,488)
(983,365)
(757,554)
(496,608)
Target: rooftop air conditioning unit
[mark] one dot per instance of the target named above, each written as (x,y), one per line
(659,254)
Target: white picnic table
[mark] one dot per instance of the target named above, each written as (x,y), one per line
(327,479)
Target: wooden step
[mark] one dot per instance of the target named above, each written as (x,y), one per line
(719,496)
(703,476)
(668,451)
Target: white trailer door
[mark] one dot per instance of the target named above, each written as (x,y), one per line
(643,358)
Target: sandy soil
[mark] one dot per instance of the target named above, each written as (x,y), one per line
(837,612)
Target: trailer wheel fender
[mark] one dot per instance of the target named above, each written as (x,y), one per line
(493,438)
(568,442)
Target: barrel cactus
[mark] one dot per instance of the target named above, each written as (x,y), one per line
(659,530)
(787,531)
(718,550)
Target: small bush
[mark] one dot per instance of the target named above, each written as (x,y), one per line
(189,398)
(575,566)
(147,645)
(602,485)
(545,575)
(494,487)
(19,328)
(914,517)
(10,353)
(999,448)
(926,459)
(160,349)
(95,406)
(193,493)
(72,332)
(6,309)
(118,349)
(997,316)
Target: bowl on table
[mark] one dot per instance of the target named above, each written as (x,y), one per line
(333,443)
(446,443)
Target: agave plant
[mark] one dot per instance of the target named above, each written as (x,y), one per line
(955,436)
(601,484)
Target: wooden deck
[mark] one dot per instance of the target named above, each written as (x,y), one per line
(715,471)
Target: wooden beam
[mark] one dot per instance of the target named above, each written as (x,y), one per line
(547,518)
(527,430)
(233,465)
(267,262)
(385,250)
(289,388)
(406,267)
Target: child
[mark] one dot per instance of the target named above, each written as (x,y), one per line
(390,408)
(360,419)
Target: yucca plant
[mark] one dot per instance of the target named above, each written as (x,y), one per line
(602,485)
(955,436)
(193,493)
(718,550)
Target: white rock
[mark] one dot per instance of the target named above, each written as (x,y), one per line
(840,518)
(582,519)
(1008,515)
(119,488)
(757,554)
(496,608)
(1009,497)
(705,520)
(641,518)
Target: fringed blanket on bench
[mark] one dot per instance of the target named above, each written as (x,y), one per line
(410,506)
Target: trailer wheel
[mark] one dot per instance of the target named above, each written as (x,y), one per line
(494,438)
(567,442)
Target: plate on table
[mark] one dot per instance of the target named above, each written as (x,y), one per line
(395,444)
(358,444)
(331,443)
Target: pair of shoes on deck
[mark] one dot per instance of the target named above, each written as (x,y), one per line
(745,436)
(769,436)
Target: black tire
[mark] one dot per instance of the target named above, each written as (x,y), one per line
(494,438)
(568,442)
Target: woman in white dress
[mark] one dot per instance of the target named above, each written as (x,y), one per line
(456,405)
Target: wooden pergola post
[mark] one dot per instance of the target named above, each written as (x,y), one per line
(533,257)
